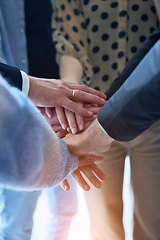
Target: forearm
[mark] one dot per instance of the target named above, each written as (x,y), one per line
(70,69)
(32,157)
(135,106)
(94,138)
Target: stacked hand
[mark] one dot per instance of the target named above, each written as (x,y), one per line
(57,93)
(88,167)
(66,107)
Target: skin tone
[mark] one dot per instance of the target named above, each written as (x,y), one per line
(87,166)
(54,98)
(91,139)
(57,93)
(69,121)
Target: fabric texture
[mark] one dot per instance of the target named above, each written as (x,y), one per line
(104,36)
(42,159)
(14,51)
(135,106)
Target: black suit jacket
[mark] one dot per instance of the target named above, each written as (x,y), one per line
(12,75)
(134,97)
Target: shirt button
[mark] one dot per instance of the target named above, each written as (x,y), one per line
(23,61)
(22,31)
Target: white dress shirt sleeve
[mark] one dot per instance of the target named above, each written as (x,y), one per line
(25,83)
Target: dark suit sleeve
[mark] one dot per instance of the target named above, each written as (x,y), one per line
(136,105)
(12,75)
(142,51)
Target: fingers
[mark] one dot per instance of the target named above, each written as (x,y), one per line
(80,180)
(81,96)
(53,119)
(57,128)
(62,134)
(65,185)
(48,111)
(94,180)
(75,121)
(80,121)
(76,108)
(84,161)
(89,159)
(98,172)
(71,121)
(61,117)
(86,89)
(94,109)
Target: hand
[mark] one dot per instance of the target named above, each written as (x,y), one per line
(75,122)
(53,120)
(90,140)
(57,93)
(88,167)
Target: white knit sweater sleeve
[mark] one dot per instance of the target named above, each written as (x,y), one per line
(31,155)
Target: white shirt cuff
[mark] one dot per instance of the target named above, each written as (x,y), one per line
(103,129)
(25,83)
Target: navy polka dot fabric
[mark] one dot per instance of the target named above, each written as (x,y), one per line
(102,34)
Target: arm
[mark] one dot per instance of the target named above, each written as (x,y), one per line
(54,93)
(72,49)
(32,156)
(130,111)
(29,148)
(135,106)
(71,69)
(69,42)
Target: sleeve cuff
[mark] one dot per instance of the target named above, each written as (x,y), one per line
(25,83)
(102,128)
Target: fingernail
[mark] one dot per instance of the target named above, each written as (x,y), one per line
(90,113)
(66,187)
(98,185)
(64,126)
(81,127)
(74,131)
(103,100)
(105,95)
(86,188)
(48,115)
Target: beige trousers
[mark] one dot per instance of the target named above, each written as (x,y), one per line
(105,205)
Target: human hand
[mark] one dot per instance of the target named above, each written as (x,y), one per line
(88,167)
(74,122)
(90,140)
(57,93)
(53,120)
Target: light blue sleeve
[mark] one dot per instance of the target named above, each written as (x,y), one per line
(31,155)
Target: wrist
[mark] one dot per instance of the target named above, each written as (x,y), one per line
(33,90)
(97,139)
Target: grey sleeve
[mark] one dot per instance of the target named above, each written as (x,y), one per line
(31,155)
(136,105)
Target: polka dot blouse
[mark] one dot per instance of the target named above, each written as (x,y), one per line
(102,34)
